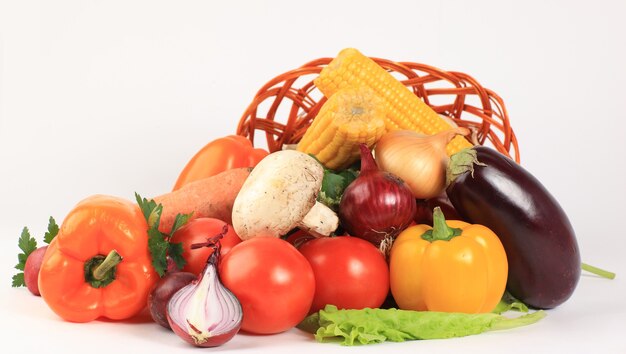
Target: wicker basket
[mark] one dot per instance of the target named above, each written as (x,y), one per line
(285,107)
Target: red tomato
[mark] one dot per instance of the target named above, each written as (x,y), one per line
(198,231)
(273,282)
(350,272)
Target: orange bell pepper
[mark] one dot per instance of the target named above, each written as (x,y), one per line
(451,267)
(99,264)
(219,155)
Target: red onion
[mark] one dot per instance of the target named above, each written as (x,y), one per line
(31,269)
(162,292)
(205,313)
(377,206)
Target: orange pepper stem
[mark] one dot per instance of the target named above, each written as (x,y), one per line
(100,270)
(440,231)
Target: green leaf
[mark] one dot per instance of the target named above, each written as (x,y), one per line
(158,242)
(147,208)
(349,175)
(27,244)
(158,247)
(18,280)
(53,230)
(21,258)
(333,185)
(179,221)
(175,252)
(142,205)
(154,219)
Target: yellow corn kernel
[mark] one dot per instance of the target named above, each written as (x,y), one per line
(350,117)
(404,109)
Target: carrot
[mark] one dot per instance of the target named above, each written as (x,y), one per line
(211,197)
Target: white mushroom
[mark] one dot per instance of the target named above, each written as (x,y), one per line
(279,195)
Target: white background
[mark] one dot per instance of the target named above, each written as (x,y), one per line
(115,96)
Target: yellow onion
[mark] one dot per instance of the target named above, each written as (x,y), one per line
(420,160)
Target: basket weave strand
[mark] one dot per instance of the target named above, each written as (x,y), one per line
(284,108)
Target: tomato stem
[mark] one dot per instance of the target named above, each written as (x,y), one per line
(440,231)
(211,241)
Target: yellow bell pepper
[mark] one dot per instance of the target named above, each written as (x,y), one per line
(452,267)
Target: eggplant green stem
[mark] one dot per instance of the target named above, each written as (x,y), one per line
(111,260)
(597,271)
(440,231)
(461,163)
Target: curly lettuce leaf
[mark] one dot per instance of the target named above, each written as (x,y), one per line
(368,326)
(509,303)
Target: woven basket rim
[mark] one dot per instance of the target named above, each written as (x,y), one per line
(285,106)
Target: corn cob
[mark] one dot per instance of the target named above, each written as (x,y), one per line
(350,117)
(404,109)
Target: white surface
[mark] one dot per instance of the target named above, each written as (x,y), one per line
(115,96)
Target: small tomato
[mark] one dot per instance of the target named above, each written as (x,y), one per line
(198,231)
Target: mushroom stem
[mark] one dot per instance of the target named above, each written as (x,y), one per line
(278,194)
(320,221)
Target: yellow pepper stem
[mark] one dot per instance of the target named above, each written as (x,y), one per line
(440,231)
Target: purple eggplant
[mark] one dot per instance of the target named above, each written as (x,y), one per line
(424,211)
(488,188)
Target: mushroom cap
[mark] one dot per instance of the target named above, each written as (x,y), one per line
(279,192)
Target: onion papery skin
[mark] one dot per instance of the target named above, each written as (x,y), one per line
(420,160)
(377,206)
(205,313)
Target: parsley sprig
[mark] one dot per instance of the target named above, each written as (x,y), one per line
(159,243)
(28,245)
